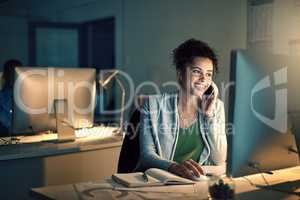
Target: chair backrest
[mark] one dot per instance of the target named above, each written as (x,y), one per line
(130,151)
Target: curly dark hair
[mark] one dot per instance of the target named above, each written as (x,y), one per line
(185,53)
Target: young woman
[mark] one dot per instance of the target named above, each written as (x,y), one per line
(184,131)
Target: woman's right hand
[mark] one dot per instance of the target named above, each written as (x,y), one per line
(187,169)
(210,101)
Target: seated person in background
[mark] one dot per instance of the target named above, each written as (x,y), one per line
(184,131)
(6,95)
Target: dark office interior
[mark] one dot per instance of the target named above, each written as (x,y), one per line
(257,43)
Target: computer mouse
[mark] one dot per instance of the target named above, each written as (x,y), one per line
(200,178)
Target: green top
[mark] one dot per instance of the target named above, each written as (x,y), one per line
(189,144)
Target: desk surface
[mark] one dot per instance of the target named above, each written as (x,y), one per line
(286,179)
(41,149)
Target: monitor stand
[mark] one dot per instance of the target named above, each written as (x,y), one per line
(65,131)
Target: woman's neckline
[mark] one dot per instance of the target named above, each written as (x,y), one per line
(191,125)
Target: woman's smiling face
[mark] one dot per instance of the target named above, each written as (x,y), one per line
(198,76)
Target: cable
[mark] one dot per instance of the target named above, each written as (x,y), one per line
(249,181)
(269,187)
(263,176)
(278,190)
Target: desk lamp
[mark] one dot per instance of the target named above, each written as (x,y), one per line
(105,78)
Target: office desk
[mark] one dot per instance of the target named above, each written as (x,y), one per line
(109,190)
(24,166)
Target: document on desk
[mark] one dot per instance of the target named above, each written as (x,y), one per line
(151,177)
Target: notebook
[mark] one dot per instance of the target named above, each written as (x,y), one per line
(155,177)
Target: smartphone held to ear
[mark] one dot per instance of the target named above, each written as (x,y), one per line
(209,90)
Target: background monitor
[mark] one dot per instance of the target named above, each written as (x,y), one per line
(264,93)
(37,89)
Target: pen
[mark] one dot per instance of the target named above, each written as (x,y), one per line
(145,177)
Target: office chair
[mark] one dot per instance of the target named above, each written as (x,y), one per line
(4,132)
(130,151)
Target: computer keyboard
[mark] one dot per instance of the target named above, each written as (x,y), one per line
(28,139)
(97,131)
(37,138)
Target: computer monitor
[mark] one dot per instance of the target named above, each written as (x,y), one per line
(264,92)
(43,93)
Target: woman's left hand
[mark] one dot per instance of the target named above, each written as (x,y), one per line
(209,101)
